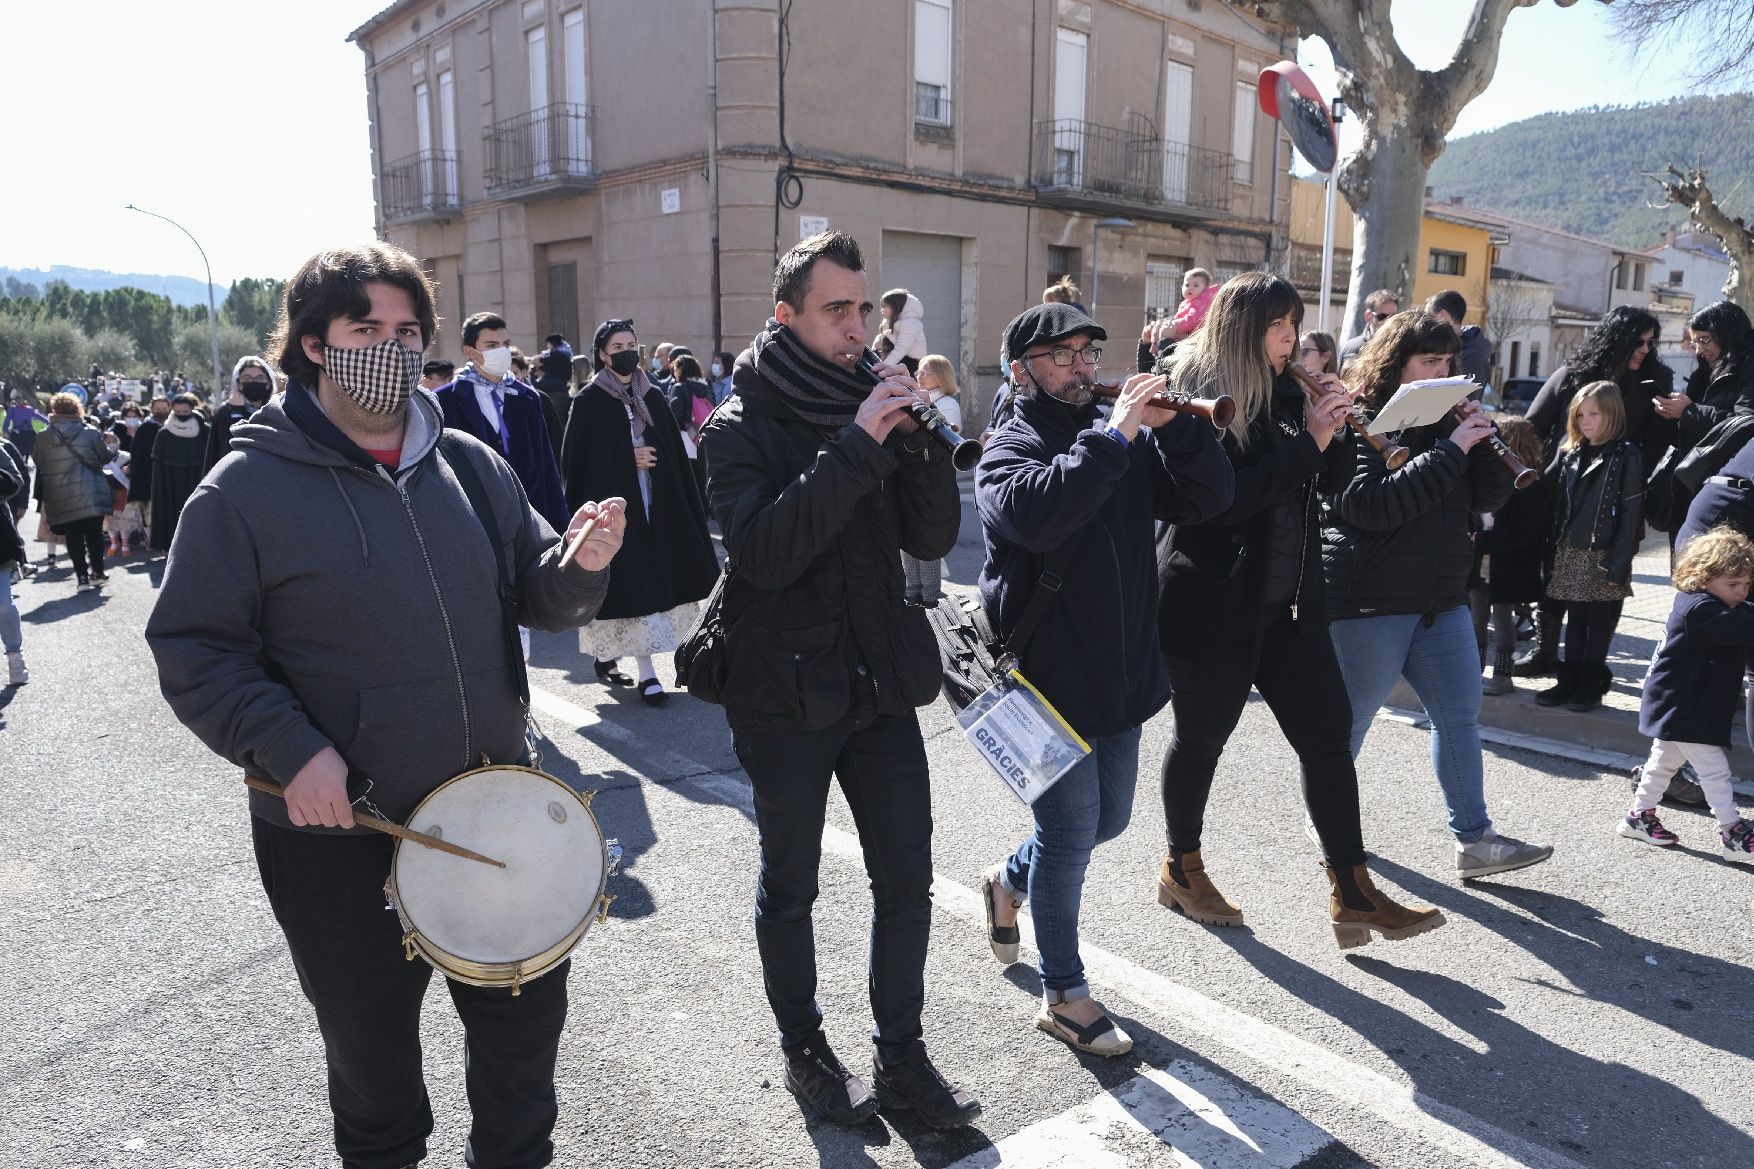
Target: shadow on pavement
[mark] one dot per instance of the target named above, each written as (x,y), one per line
(1691,994)
(60,608)
(1608,1113)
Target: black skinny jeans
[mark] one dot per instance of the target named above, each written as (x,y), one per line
(327,892)
(1299,677)
(881,765)
(1589,630)
(85,544)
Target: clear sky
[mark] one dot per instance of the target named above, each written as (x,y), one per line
(245,120)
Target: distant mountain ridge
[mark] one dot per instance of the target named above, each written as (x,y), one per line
(1586,171)
(182,290)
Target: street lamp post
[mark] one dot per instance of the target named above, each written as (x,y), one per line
(212,313)
(1096,254)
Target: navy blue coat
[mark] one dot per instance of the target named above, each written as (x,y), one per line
(532,448)
(1694,687)
(1723,503)
(1050,482)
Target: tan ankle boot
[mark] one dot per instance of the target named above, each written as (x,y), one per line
(1199,900)
(1350,891)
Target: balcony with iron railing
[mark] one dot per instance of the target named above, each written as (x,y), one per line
(421,187)
(544,152)
(931,106)
(1083,164)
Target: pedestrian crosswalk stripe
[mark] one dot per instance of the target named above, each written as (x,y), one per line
(1182,1115)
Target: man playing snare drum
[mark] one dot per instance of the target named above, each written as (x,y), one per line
(330,616)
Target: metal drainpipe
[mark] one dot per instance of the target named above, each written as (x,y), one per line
(712,168)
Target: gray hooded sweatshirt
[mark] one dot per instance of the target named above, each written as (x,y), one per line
(309,602)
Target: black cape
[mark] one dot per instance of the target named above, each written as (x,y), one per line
(177,467)
(665,561)
(140,462)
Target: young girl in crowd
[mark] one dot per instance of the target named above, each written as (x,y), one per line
(1694,687)
(924,578)
(1244,606)
(1598,482)
(1514,544)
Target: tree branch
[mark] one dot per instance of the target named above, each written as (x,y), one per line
(1690,191)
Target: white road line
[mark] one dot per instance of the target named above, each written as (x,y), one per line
(1199,1118)
(1176,1006)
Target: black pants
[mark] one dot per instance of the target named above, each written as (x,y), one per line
(1589,630)
(85,544)
(327,892)
(1299,677)
(881,765)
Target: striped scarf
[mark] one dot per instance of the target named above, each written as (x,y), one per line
(817,391)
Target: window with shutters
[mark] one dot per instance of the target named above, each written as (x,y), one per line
(932,62)
(1243,132)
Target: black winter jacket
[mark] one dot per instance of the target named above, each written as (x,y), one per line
(1597,507)
(1213,575)
(14,492)
(1055,489)
(1694,687)
(818,629)
(1400,541)
(1716,395)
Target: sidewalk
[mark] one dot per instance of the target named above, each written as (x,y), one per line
(1613,728)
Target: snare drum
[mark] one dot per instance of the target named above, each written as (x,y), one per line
(489,926)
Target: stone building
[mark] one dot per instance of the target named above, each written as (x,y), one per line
(561,161)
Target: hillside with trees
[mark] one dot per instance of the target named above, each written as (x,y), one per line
(1586,171)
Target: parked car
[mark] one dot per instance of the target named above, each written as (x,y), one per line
(1517,392)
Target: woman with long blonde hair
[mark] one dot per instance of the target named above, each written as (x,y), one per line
(1243,606)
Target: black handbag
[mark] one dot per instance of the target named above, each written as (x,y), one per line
(702,660)
(971,656)
(1690,468)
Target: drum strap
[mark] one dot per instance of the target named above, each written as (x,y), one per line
(451,448)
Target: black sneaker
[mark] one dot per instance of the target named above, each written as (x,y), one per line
(912,1082)
(825,1086)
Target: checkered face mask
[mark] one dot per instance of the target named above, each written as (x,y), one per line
(379,378)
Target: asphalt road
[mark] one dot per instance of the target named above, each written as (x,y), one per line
(1594,1011)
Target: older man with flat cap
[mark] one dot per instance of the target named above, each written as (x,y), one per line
(1063,493)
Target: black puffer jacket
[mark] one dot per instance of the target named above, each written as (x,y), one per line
(1400,541)
(1213,575)
(1596,507)
(819,630)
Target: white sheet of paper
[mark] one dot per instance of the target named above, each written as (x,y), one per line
(1421,403)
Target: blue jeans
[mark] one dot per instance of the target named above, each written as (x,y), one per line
(11,631)
(1090,804)
(1441,661)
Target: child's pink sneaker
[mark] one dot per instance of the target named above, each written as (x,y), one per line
(1645,826)
(1738,843)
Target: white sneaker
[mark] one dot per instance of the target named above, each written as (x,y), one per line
(16,674)
(1493,853)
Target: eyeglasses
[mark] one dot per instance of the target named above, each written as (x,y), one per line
(1092,355)
(1306,350)
(625,326)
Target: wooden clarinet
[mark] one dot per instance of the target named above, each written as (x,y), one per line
(1394,455)
(1218,411)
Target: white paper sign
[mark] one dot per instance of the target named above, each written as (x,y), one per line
(1421,403)
(1021,738)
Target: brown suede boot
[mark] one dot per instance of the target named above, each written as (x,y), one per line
(1356,906)
(1182,884)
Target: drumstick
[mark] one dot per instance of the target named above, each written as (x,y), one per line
(578,541)
(385,826)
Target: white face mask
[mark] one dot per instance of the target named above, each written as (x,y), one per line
(496,363)
(718,370)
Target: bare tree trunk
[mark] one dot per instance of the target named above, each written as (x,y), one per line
(1406,113)
(1690,191)
(1386,231)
